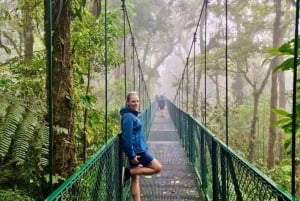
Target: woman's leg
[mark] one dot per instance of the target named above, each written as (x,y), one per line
(135,187)
(153,168)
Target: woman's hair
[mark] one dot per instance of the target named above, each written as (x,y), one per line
(129,94)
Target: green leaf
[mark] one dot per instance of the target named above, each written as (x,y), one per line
(288,64)
(277,52)
(287,49)
(7,132)
(282,121)
(281,112)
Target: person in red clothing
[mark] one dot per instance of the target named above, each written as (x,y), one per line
(140,159)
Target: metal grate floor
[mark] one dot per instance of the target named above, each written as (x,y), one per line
(176,181)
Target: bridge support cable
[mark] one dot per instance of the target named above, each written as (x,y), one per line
(187,85)
(180,90)
(294,115)
(106,68)
(226,69)
(124,47)
(142,87)
(133,66)
(205,70)
(194,75)
(226,172)
(48,10)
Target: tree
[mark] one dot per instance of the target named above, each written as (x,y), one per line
(64,148)
(277,39)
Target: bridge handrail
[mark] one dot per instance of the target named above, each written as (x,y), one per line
(99,178)
(222,174)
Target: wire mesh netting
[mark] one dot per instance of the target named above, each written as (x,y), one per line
(222,173)
(98,179)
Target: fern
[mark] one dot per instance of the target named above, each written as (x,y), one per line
(4,104)
(13,118)
(24,136)
(43,144)
(21,130)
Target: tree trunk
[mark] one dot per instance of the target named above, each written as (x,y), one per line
(282,104)
(28,35)
(272,129)
(64,148)
(277,38)
(96,8)
(197,109)
(251,147)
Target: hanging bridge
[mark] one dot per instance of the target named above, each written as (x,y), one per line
(196,164)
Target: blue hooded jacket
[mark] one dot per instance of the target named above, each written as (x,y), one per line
(132,133)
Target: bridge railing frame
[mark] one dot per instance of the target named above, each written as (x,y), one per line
(221,173)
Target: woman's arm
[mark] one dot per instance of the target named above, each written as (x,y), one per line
(127,130)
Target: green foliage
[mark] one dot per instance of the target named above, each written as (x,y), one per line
(286,121)
(284,170)
(88,41)
(13,119)
(14,195)
(286,118)
(25,80)
(287,49)
(17,130)
(23,145)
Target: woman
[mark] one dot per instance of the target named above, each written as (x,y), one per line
(140,159)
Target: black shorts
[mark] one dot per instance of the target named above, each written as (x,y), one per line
(145,159)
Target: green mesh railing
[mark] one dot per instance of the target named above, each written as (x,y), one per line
(221,173)
(100,177)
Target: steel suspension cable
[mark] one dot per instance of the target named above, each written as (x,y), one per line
(205,70)
(226,69)
(226,91)
(294,115)
(133,66)
(124,47)
(145,91)
(185,70)
(194,76)
(140,78)
(187,84)
(48,10)
(106,68)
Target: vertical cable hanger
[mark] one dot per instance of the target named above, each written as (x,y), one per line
(226,91)
(106,68)
(186,70)
(187,85)
(205,70)
(124,47)
(194,75)
(48,7)
(133,66)
(142,91)
(226,68)
(294,115)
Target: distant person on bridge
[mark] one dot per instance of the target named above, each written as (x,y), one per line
(161,105)
(140,159)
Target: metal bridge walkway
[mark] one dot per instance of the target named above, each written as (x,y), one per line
(176,181)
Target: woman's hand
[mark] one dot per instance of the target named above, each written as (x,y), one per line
(135,160)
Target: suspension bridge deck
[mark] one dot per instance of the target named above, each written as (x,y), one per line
(176,180)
